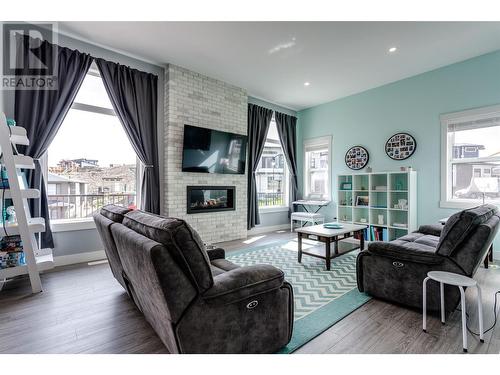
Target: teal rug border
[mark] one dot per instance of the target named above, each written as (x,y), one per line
(312,325)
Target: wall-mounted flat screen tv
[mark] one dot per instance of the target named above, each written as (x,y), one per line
(212,151)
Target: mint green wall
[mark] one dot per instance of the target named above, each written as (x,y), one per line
(412,105)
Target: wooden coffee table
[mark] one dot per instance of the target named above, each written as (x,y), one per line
(327,236)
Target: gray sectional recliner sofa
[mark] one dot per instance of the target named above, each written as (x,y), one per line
(195,300)
(394,270)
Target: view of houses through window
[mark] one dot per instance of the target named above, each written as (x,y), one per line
(317,173)
(272,174)
(475,160)
(91,161)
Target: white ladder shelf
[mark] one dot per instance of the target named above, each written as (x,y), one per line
(37,260)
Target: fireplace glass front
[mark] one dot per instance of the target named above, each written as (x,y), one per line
(210,199)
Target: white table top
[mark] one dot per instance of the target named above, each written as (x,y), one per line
(451,278)
(311,202)
(320,230)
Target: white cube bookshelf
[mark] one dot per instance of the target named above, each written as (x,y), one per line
(365,198)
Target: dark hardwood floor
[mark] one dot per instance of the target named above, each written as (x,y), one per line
(84,310)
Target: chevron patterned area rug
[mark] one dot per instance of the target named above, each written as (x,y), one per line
(322,297)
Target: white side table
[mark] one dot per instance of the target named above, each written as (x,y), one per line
(460,281)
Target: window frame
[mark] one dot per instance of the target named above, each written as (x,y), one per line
(286,181)
(63,225)
(447,161)
(318,142)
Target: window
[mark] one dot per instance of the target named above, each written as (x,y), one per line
(91,161)
(317,176)
(470,157)
(272,173)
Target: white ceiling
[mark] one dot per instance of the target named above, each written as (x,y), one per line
(272,60)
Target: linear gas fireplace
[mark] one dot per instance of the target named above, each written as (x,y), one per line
(210,199)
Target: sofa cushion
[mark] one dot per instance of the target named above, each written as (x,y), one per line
(114,212)
(411,237)
(180,239)
(217,271)
(419,238)
(474,248)
(405,245)
(244,282)
(428,240)
(459,226)
(222,265)
(433,229)
(406,251)
(217,253)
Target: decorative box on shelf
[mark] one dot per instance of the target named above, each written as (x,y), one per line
(11,252)
(386,201)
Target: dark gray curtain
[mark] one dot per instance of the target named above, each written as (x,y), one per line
(41,112)
(287,131)
(134,95)
(259,119)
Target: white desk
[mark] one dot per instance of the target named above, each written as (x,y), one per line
(304,203)
(307,216)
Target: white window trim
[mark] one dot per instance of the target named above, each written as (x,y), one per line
(318,141)
(68,225)
(446,152)
(270,209)
(286,176)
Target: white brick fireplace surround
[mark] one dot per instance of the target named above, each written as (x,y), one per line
(194,99)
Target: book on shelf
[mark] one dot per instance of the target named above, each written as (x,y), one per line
(385,235)
(378,234)
(357,235)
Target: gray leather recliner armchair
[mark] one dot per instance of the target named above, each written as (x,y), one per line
(394,270)
(195,300)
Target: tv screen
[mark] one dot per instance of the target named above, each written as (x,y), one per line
(213,151)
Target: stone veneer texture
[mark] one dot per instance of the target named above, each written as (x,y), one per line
(194,99)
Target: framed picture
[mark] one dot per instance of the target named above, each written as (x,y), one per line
(357,157)
(362,200)
(400,146)
(346,186)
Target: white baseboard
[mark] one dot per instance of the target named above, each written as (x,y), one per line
(271,228)
(90,256)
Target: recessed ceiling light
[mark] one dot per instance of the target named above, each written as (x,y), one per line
(393,49)
(307,83)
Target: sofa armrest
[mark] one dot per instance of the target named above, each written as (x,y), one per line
(217,253)
(244,282)
(432,229)
(411,252)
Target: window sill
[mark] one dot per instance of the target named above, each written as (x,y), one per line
(265,210)
(66,225)
(463,204)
